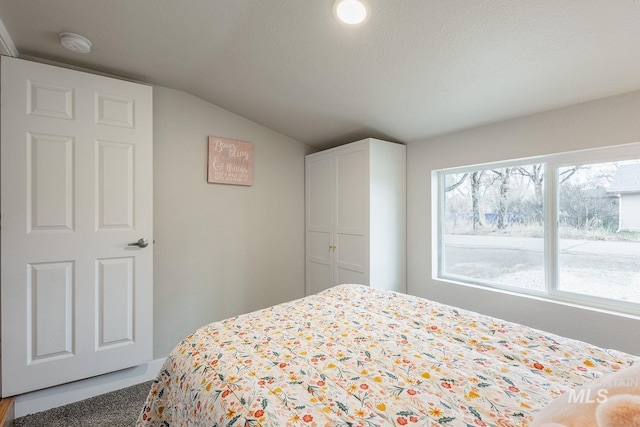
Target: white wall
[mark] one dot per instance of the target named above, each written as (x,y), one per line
(609,121)
(221,250)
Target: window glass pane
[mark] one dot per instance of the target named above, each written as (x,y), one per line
(599,230)
(493,226)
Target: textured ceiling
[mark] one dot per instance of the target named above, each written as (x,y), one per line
(417,68)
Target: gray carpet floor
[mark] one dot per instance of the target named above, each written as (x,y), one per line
(119,408)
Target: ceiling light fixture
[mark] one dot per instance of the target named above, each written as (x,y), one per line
(350,12)
(75,42)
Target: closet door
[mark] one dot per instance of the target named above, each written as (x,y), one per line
(76,192)
(351,215)
(319,189)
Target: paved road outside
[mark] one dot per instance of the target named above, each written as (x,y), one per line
(598,268)
(597,247)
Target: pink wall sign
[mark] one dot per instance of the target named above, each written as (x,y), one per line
(230,161)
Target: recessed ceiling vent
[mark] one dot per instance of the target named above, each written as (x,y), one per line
(75,42)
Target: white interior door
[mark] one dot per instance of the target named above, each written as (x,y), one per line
(76,178)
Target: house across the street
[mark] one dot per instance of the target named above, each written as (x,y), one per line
(626,184)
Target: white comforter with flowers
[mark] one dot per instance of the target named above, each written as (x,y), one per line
(357,356)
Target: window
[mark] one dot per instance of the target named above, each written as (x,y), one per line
(564,226)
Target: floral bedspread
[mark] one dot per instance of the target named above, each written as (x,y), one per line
(357,356)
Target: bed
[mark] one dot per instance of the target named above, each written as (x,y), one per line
(357,356)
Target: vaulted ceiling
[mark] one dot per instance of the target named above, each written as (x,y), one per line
(415,69)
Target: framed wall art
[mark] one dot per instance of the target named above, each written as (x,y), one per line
(230,161)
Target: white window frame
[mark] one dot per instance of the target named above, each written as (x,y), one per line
(552,163)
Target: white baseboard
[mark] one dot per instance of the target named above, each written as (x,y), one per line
(61,395)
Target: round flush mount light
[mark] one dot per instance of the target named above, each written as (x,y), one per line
(350,12)
(75,42)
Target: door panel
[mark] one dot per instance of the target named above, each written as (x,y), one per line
(319,246)
(114,178)
(49,100)
(350,192)
(114,111)
(319,277)
(49,183)
(76,189)
(349,253)
(319,183)
(49,311)
(115,310)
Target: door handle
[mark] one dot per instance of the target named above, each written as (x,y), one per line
(142,243)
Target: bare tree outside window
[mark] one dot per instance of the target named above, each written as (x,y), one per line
(493,228)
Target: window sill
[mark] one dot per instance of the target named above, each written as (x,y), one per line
(552,299)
